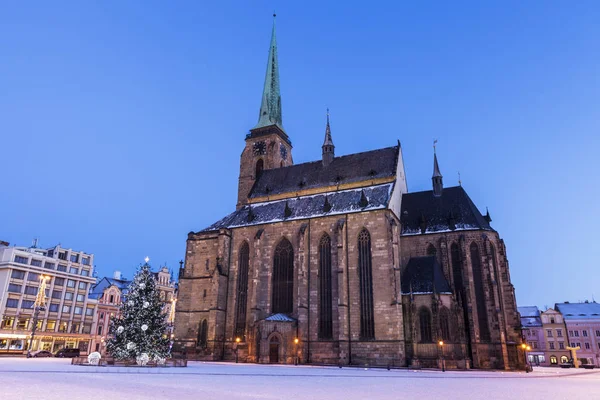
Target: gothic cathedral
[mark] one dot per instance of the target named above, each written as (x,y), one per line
(335,262)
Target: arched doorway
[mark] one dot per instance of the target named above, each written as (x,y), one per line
(274,350)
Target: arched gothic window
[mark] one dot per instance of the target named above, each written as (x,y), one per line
(203,334)
(242,290)
(456,268)
(283,278)
(325,297)
(431,250)
(478,279)
(444,321)
(367,320)
(260,165)
(425,325)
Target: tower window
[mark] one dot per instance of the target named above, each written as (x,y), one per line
(259,167)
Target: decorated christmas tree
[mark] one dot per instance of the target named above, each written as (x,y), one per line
(139,331)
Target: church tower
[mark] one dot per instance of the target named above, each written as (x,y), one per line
(436,179)
(267,144)
(328,147)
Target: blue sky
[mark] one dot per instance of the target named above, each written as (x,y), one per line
(122,123)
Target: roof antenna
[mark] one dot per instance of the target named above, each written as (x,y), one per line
(459,181)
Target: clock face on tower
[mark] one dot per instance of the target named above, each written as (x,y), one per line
(259,148)
(283,151)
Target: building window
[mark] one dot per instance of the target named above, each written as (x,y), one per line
(66,309)
(578,344)
(551,345)
(70,283)
(33,277)
(425,325)
(89,312)
(49,265)
(27,304)
(564,359)
(23,323)
(561,345)
(31,290)
(444,319)
(87,328)
(576,333)
(16,274)
(551,320)
(14,288)
(69,296)
(478,277)
(100,327)
(559,333)
(85,261)
(572,344)
(21,260)
(242,290)
(325,296)
(62,255)
(12,303)
(549,331)
(73,270)
(457,269)
(7,323)
(598,333)
(111,299)
(62,327)
(53,307)
(431,251)
(553,360)
(36,263)
(584,333)
(50,325)
(59,281)
(80,297)
(56,294)
(61,268)
(535,345)
(203,334)
(82,285)
(74,258)
(570,333)
(259,168)
(78,310)
(85,272)
(587,346)
(283,278)
(75,327)
(367,318)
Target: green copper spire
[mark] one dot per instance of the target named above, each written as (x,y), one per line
(270,107)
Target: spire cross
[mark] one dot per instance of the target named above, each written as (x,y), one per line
(459,181)
(434,143)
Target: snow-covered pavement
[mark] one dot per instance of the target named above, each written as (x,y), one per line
(49,379)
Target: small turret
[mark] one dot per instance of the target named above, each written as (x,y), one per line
(436,179)
(328,147)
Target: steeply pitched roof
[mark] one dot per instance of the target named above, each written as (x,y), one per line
(422,212)
(530,316)
(351,168)
(573,311)
(424,275)
(98,289)
(342,202)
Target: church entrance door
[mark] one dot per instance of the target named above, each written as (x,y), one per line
(274,351)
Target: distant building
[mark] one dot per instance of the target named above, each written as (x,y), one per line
(68,319)
(533,334)
(555,334)
(583,329)
(108,293)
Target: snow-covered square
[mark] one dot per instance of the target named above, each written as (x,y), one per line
(50,379)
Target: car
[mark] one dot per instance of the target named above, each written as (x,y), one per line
(62,353)
(41,353)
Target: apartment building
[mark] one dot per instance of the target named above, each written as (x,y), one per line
(68,318)
(533,334)
(583,329)
(555,334)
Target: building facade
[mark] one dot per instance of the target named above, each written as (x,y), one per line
(555,335)
(108,292)
(582,322)
(68,318)
(336,262)
(534,335)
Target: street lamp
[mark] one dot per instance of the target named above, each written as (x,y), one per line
(38,305)
(441,344)
(526,348)
(296,341)
(237,342)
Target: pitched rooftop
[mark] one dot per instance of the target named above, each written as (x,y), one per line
(424,275)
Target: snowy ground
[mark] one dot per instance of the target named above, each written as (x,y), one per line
(49,379)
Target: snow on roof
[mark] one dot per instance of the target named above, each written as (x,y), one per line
(529,311)
(586,310)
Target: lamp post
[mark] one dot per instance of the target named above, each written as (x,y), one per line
(237,342)
(38,305)
(296,341)
(526,348)
(441,344)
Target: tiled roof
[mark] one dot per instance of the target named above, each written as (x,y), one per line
(528,311)
(422,212)
(572,311)
(280,318)
(351,168)
(342,202)
(424,275)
